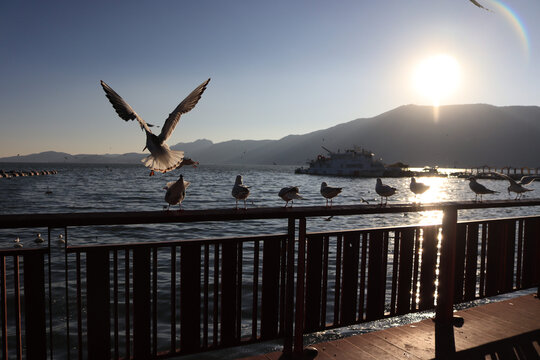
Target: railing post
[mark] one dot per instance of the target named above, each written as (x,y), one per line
(289,291)
(34,300)
(444,331)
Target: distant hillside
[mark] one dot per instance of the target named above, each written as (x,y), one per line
(461,136)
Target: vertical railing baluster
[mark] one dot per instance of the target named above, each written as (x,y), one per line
(206,289)
(519,254)
(444,328)
(79,305)
(17,292)
(239,291)
(416,268)
(337,287)
(215,318)
(395,264)
(300,277)
(324,294)
(172,347)
(126,303)
(34,306)
(3,306)
(255,290)
(141,303)
(289,297)
(154,301)
(66,276)
(115,305)
(483,245)
(283,277)
(49,265)
(363,268)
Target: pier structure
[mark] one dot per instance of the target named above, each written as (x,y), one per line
(150,300)
(514,172)
(17,173)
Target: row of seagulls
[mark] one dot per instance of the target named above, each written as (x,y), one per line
(240,191)
(161,158)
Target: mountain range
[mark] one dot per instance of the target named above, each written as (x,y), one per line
(455,136)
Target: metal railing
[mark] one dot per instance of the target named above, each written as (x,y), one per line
(162,299)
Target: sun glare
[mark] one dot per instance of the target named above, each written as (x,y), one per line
(437,77)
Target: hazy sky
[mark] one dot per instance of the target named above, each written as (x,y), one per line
(277,67)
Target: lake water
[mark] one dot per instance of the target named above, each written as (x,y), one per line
(97,188)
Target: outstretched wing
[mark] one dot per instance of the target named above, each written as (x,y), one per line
(526,180)
(512,181)
(122,108)
(186,105)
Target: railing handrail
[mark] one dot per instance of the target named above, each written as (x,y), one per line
(59,220)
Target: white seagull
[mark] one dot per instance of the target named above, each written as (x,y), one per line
(478,188)
(517,186)
(384,191)
(240,191)
(176,192)
(329,192)
(162,158)
(418,187)
(290,193)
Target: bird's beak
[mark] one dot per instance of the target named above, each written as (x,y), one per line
(144,148)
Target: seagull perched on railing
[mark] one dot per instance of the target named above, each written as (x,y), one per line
(479,189)
(418,187)
(240,191)
(161,158)
(384,191)
(517,186)
(176,192)
(329,192)
(290,193)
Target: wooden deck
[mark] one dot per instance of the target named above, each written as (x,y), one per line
(501,330)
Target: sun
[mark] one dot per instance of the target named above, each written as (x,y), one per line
(437,77)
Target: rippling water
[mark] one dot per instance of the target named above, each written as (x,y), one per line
(96,188)
(82,188)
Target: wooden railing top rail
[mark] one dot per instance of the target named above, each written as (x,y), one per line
(174,216)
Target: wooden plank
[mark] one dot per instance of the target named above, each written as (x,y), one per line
(531,253)
(471,262)
(141,303)
(461,234)
(190,297)
(376,277)
(427,269)
(229,300)
(494,257)
(34,301)
(270,289)
(406,256)
(508,254)
(98,312)
(351,246)
(312,321)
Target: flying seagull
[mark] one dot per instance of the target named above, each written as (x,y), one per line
(240,191)
(176,192)
(289,193)
(418,187)
(479,5)
(329,192)
(517,186)
(161,158)
(478,188)
(384,191)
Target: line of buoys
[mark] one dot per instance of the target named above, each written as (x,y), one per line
(17,173)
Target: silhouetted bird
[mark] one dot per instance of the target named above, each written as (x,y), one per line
(176,192)
(384,190)
(517,186)
(418,187)
(162,158)
(240,191)
(290,193)
(329,192)
(479,5)
(478,188)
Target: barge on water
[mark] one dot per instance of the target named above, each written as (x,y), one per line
(359,162)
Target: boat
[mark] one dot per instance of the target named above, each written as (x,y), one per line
(356,162)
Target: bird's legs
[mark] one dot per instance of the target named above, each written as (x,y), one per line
(245,204)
